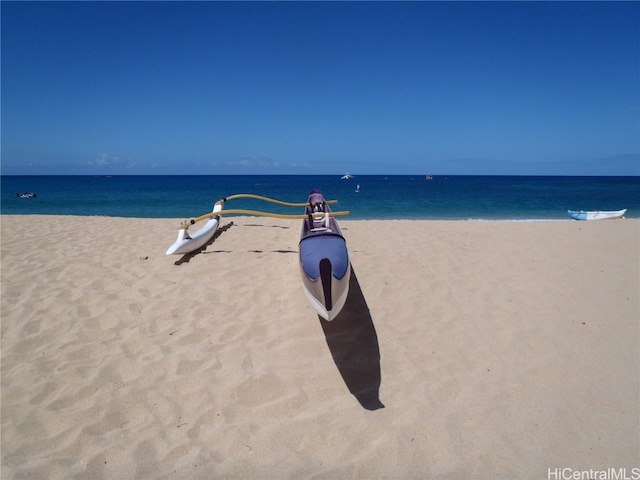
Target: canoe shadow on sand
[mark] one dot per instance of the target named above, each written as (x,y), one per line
(351,338)
(353,344)
(202,250)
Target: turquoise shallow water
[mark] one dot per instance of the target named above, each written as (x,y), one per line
(385,197)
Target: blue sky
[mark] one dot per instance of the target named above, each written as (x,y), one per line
(550,88)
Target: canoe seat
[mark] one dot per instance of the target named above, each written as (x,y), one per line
(316,225)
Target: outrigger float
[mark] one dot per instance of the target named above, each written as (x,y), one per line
(323,255)
(188,243)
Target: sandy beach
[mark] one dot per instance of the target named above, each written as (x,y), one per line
(488,350)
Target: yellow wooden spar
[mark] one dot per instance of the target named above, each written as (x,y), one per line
(185,225)
(267,199)
(258,213)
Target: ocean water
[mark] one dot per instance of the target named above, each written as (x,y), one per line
(382,197)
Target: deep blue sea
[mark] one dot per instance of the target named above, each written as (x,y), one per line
(384,197)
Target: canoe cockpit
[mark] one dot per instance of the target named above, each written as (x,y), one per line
(316,223)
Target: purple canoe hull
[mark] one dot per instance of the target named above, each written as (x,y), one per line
(324,260)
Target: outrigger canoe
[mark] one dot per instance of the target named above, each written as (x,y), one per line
(324,259)
(596,214)
(187,243)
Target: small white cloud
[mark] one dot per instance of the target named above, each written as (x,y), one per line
(253,162)
(105,159)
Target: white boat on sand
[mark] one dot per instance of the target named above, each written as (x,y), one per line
(596,214)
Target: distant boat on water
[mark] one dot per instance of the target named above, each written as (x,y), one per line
(429,177)
(26,195)
(347,176)
(596,214)
(358,188)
